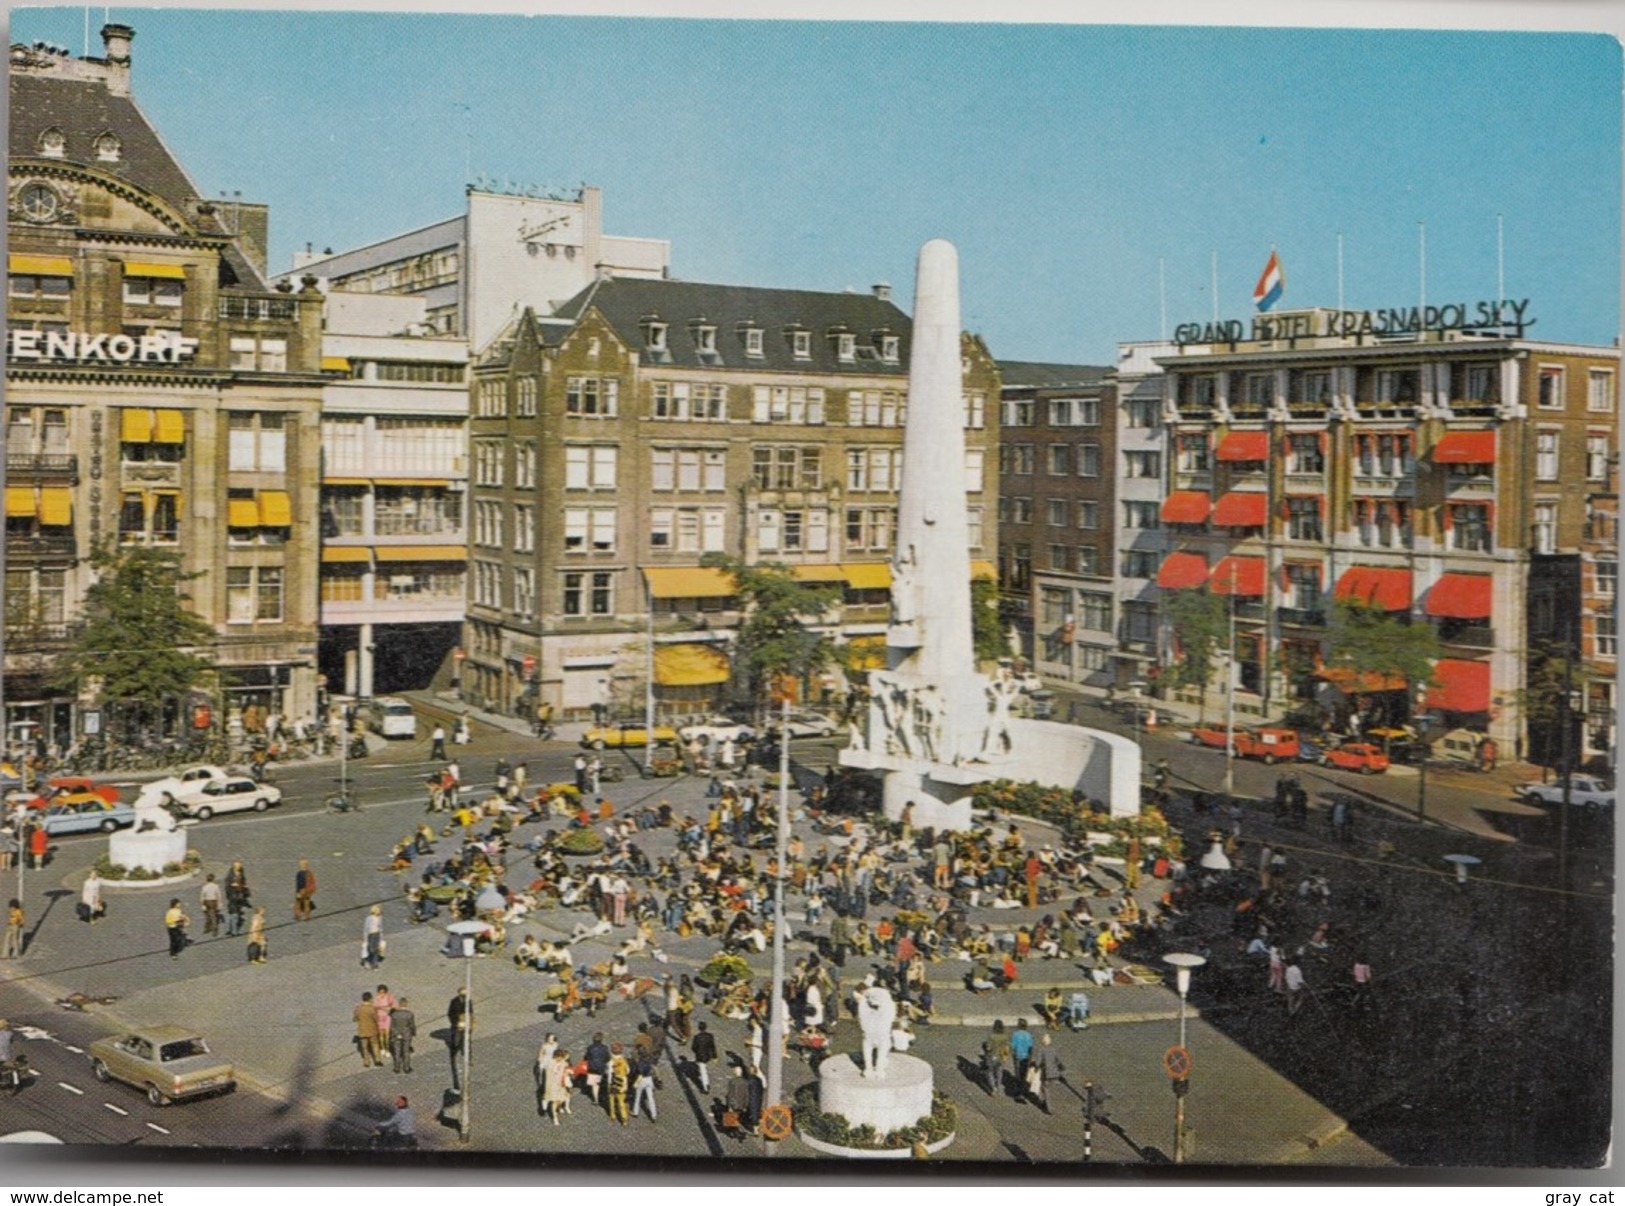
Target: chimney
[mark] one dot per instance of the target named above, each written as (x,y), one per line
(116,38)
(592,224)
(882,290)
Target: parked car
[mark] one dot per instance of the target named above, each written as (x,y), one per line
(1271,745)
(1466,747)
(717,729)
(1403,746)
(205,797)
(169,1063)
(803,724)
(1359,756)
(72,789)
(1310,751)
(1585,791)
(85,814)
(1214,736)
(161,790)
(626,735)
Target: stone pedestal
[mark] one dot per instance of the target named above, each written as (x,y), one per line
(152,850)
(901,1099)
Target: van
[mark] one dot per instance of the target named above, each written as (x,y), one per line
(390,717)
(1461,746)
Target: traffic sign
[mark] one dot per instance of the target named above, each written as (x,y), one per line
(1176,1061)
(777,1122)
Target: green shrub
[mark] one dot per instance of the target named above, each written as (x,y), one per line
(579,842)
(724,969)
(1057,806)
(832,1128)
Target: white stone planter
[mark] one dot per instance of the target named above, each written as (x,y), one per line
(865,1153)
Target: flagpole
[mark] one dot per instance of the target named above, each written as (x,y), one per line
(1214,271)
(1500,259)
(1422,253)
(1340,272)
(1162,299)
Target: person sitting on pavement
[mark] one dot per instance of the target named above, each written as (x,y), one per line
(400,1129)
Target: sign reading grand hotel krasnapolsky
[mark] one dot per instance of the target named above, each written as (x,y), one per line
(81,347)
(1332,324)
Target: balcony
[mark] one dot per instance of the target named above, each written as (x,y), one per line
(1249,609)
(239,307)
(32,465)
(41,545)
(32,638)
(1305,617)
(150,473)
(1473,636)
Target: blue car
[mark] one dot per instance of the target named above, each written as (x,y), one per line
(84,816)
(1308,751)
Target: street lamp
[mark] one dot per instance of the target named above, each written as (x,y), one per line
(777,1010)
(1183,964)
(464,935)
(1462,862)
(1422,727)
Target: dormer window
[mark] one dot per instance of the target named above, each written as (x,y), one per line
(846,347)
(753,341)
(53,144)
(801,344)
(705,340)
(888,348)
(654,335)
(108,147)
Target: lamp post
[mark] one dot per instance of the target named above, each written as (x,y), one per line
(1422,727)
(1230,697)
(649,687)
(1183,964)
(461,946)
(777,1013)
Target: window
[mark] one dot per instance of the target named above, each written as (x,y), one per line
(1140,563)
(654,336)
(1094,611)
(1141,412)
(527,398)
(1196,393)
(1397,386)
(975,461)
(1545,526)
(1384,523)
(588,594)
(889,348)
(1093,657)
(1315,388)
(1054,605)
(1088,559)
(1088,460)
(870,528)
(1193,453)
(846,347)
(1607,633)
(1481,383)
(248,354)
(149,517)
(253,594)
(1021,567)
(976,411)
(491,399)
(28,287)
(1018,412)
(256,442)
(1057,509)
(753,342)
(688,469)
(1303,519)
(1302,586)
(524,528)
(1546,456)
(1600,391)
(1304,453)
(1549,389)
(1060,412)
(1383,455)
(705,340)
(591,397)
(488,462)
(1139,623)
(875,408)
(801,345)
(1088,514)
(1260,389)
(155,291)
(796,531)
(1060,558)
(417,511)
(1142,463)
(589,466)
(689,530)
(1021,459)
(1607,579)
(1059,458)
(488,524)
(787,404)
(973,527)
(1470,527)
(1144,515)
(524,464)
(788,468)
(487,584)
(1596,458)
(1021,509)
(1087,412)
(589,529)
(701,403)
(524,592)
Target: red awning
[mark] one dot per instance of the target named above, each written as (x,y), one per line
(1461,597)
(1389,589)
(1238,576)
(1359,682)
(1461,686)
(1244,446)
(1465,448)
(1182,570)
(1241,509)
(1186,506)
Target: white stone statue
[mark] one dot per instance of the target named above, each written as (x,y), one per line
(877,1013)
(152,816)
(998,742)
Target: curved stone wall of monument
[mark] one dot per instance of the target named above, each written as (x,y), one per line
(1104,766)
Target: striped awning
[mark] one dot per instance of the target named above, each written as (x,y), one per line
(1244,446)
(866,653)
(828,572)
(1465,448)
(1459,686)
(1375,586)
(983,569)
(689,582)
(335,364)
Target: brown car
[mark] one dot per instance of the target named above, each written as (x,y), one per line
(169,1063)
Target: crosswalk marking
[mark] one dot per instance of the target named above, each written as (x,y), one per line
(62,1084)
(107,1105)
(157,1128)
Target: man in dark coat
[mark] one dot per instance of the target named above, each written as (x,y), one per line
(460,1013)
(403,1028)
(597,1056)
(704,1046)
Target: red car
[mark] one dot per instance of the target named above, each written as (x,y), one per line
(72,790)
(1272,745)
(1356,756)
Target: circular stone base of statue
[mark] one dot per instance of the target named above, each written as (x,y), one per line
(901,1098)
(152,850)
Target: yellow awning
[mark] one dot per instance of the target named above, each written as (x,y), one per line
(40,265)
(866,652)
(335,364)
(690,665)
(689,582)
(424,552)
(411,481)
(172,272)
(136,427)
(170,427)
(829,572)
(871,576)
(242,513)
(346,553)
(276,509)
(55,506)
(346,481)
(20,501)
(984,569)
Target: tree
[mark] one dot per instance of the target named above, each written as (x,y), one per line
(1542,700)
(987,633)
(776,636)
(139,644)
(1200,625)
(1375,644)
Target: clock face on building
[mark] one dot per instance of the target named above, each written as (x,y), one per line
(39,202)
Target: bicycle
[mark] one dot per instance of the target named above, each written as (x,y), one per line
(343,802)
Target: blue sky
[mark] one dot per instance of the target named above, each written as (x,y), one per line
(1064,161)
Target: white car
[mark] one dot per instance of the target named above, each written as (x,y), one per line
(205,797)
(717,729)
(1585,791)
(804,724)
(159,791)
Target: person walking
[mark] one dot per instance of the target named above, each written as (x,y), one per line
(366,1031)
(1021,1049)
(1048,1067)
(558,1085)
(90,898)
(304,892)
(237,899)
(39,845)
(12,947)
(460,1014)
(996,1057)
(176,921)
(1361,973)
(619,1079)
(643,1086)
(258,951)
(372,938)
(437,744)
(1294,988)
(704,1047)
(383,1004)
(403,1030)
(597,1058)
(209,899)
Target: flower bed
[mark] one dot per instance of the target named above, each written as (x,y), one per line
(579,842)
(724,969)
(1056,806)
(118,873)
(937,1126)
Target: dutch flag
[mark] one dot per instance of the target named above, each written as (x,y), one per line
(1271,284)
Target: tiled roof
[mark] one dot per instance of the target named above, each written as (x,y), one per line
(626,303)
(1032,374)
